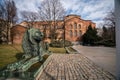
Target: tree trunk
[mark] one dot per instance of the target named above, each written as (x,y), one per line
(9,33)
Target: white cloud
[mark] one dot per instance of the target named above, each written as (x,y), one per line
(96,15)
(27,5)
(94,10)
(72,5)
(89,9)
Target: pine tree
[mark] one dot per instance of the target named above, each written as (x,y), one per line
(90,36)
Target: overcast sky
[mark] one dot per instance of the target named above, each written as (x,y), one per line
(94,10)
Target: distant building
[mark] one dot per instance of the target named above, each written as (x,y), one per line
(74,27)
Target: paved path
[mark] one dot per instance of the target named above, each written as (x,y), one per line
(104,57)
(73,67)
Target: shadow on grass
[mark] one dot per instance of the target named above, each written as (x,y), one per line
(19,55)
(37,65)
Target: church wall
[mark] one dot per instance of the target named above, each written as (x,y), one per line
(75,27)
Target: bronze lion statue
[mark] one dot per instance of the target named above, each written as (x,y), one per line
(32,43)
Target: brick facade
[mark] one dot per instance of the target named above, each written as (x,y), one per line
(74,27)
(17,33)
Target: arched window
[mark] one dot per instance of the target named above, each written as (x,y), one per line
(70,26)
(75,33)
(79,27)
(80,33)
(71,34)
(75,25)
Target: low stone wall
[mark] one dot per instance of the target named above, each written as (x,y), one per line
(38,73)
(69,52)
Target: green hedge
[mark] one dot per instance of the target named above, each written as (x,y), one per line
(56,43)
(108,43)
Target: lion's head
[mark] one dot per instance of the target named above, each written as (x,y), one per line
(32,43)
(35,35)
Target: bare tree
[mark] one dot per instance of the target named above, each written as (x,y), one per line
(110,23)
(31,17)
(50,11)
(8,15)
(3,23)
(110,19)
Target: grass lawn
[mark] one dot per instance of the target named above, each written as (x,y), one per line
(57,50)
(11,53)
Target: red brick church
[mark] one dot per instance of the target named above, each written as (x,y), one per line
(75,27)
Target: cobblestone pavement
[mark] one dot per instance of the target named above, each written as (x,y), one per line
(73,67)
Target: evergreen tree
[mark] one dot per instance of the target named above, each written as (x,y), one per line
(90,36)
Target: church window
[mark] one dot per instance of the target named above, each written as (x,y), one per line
(75,25)
(75,33)
(70,26)
(79,26)
(71,34)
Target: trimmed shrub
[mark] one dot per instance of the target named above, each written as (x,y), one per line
(56,43)
(108,43)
